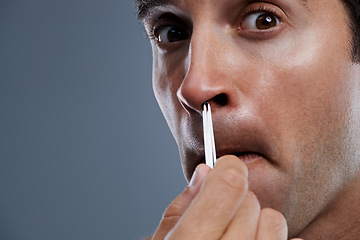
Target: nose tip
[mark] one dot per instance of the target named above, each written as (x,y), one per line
(194,93)
(196,89)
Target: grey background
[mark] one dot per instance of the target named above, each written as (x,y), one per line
(84,150)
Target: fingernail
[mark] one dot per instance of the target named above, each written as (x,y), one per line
(194,178)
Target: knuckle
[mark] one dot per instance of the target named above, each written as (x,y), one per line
(179,204)
(173,210)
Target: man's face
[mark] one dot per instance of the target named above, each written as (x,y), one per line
(283,91)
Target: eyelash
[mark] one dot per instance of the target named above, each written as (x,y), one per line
(159,23)
(152,30)
(151,35)
(261,9)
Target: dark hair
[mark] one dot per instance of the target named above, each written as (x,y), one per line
(351,6)
(353,9)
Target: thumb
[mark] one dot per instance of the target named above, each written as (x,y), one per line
(178,206)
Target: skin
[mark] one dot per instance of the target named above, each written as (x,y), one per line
(286,98)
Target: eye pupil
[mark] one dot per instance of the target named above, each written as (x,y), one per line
(265,21)
(175,34)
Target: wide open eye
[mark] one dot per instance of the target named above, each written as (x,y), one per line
(260,21)
(170,33)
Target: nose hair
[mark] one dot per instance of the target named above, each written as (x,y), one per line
(206,77)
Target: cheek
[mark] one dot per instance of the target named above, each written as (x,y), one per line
(312,105)
(167,77)
(304,98)
(309,86)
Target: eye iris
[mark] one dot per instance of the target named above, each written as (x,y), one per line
(174,34)
(265,21)
(171,34)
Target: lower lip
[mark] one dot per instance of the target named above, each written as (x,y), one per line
(248,157)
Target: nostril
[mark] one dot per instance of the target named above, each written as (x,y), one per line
(220,99)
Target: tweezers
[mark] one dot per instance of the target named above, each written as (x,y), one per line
(209,142)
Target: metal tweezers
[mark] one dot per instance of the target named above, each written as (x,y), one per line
(209,142)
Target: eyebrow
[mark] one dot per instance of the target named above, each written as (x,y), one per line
(144,6)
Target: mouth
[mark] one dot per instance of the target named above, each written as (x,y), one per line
(250,150)
(246,157)
(246,138)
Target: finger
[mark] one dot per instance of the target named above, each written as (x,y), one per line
(272,225)
(177,207)
(217,202)
(245,223)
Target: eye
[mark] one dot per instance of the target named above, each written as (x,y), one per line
(170,33)
(260,21)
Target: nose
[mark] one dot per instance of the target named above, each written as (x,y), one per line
(207,78)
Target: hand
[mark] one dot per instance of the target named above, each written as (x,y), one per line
(218,205)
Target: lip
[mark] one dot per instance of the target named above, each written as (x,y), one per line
(246,157)
(250,146)
(243,135)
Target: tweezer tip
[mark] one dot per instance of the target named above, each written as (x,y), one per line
(206,106)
